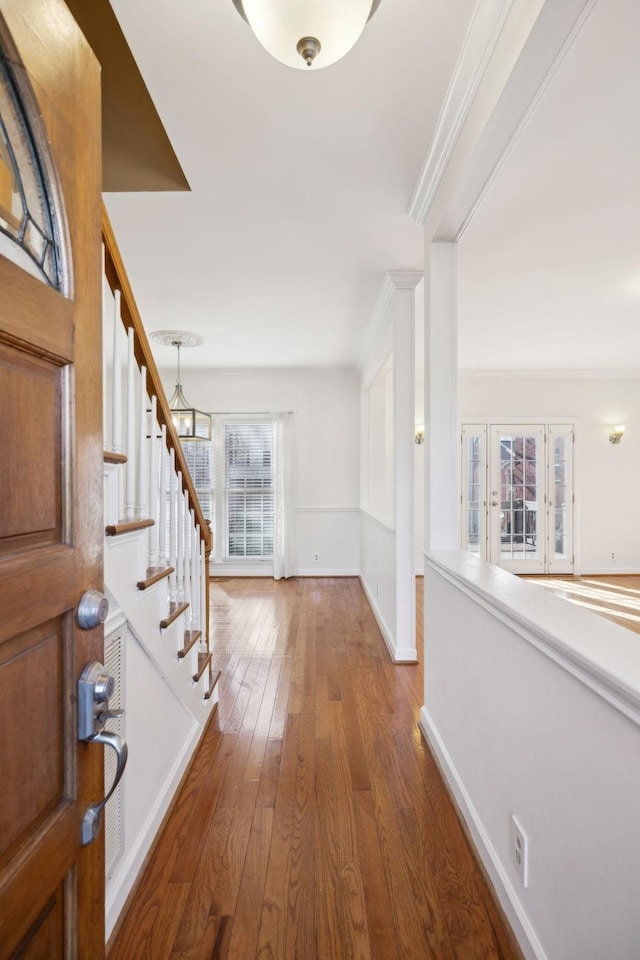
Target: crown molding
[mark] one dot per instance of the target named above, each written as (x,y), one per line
(528,112)
(292,373)
(512,50)
(484,29)
(549,374)
(393,280)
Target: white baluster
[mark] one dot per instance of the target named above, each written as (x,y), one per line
(179,538)
(195,573)
(162,491)
(203,595)
(172,526)
(116,380)
(143,451)
(130,509)
(187,561)
(153,486)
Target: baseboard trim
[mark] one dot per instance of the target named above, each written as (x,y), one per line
(384,630)
(504,890)
(131,871)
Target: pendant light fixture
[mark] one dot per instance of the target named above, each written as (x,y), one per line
(307,33)
(190,423)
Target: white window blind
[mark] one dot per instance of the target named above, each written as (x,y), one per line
(199,457)
(248,490)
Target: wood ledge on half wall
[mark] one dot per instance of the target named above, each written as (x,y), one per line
(136,152)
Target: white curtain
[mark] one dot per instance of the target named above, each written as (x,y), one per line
(284,533)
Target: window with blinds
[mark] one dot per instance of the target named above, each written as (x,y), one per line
(248,490)
(199,457)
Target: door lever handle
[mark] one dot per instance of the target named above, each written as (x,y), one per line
(91,819)
(95,687)
(104,715)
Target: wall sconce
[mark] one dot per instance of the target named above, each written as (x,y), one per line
(420,434)
(616,433)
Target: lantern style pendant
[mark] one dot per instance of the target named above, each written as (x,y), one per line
(191,424)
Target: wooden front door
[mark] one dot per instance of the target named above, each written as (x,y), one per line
(51,886)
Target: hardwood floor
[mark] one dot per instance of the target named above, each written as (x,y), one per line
(615,597)
(314,824)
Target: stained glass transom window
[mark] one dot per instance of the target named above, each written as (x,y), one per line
(28,235)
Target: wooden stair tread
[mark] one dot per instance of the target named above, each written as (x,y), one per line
(204,660)
(190,637)
(175,609)
(109,456)
(127,526)
(212,685)
(154,574)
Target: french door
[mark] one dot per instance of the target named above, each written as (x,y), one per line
(517,495)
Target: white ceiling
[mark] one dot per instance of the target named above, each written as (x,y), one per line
(300,181)
(550,266)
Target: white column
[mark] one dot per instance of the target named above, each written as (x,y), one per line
(440,397)
(403,466)
(153,486)
(172,526)
(130,509)
(116,382)
(143,450)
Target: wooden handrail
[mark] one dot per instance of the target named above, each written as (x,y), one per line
(118,280)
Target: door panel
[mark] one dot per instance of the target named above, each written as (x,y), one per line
(32,786)
(45,940)
(474,485)
(31,443)
(560,487)
(517,492)
(51,887)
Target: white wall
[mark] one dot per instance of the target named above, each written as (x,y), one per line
(378,574)
(532,707)
(607,516)
(377,522)
(326,407)
(165,711)
(419,477)
(379,499)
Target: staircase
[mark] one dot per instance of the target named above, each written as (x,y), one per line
(157,547)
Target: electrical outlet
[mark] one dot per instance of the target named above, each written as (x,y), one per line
(613,556)
(316,558)
(520,851)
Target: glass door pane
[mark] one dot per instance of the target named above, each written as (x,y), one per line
(560,486)
(474,496)
(517,511)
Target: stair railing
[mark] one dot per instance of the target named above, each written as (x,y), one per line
(156,489)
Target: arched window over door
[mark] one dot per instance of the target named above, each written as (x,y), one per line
(33,230)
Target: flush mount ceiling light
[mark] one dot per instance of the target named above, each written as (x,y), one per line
(305,33)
